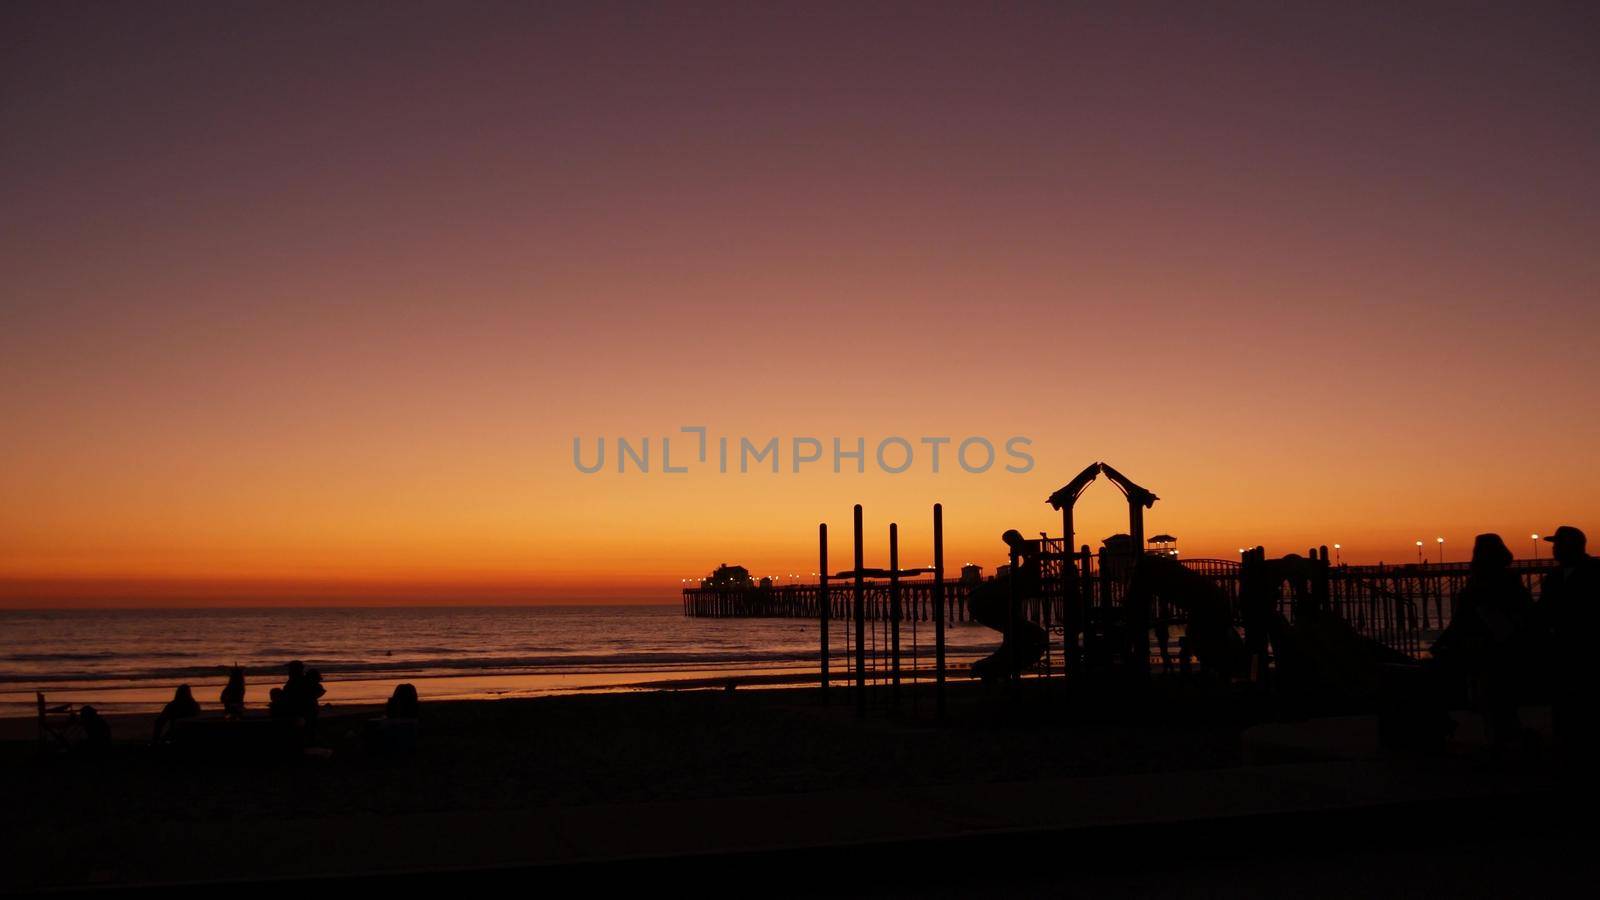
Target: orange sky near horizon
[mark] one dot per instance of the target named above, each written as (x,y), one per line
(307,306)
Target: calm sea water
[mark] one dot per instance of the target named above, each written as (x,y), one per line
(130,660)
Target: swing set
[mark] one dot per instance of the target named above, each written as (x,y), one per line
(889,625)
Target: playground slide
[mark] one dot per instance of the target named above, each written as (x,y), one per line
(1021,649)
(1015,655)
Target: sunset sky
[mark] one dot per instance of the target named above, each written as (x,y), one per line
(303,303)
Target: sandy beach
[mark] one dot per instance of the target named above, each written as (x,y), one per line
(668,775)
(91,821)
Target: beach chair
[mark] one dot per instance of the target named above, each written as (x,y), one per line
(58,725)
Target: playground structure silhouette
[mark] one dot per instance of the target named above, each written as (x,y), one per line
(1296,626)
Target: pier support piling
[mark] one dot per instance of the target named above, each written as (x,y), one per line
(894,613)
(938,609)
(823,604)
(859,609)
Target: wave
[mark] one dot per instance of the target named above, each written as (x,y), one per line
(88,656)
(54,657)
(640,661)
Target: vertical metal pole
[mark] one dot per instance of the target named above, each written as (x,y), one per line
(860,610)
(1045,606)
(894,613)
(823,612)
(1086,571)
(1010,641)
(1141,642)
(1086,589)
(938,608)
(1069,584)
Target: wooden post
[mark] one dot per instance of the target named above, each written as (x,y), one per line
(822,602)
(1136,529)
(938,609)
(1085,586)
(1067,535)
(1104,599)
(860,611)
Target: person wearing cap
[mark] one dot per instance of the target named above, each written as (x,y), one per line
(1568,602)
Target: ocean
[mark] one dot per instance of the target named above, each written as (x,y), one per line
(131,660)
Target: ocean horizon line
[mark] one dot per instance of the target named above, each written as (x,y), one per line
(344,605)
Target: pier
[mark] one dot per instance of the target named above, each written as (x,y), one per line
(1400,606)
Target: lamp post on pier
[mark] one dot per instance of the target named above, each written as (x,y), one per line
(1419,553)
(1441,550)
(1535,546)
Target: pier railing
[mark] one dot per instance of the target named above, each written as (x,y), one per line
(801,601)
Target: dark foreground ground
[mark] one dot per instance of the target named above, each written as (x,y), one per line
(1033,793)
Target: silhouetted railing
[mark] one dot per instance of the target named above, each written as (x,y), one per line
(799,601)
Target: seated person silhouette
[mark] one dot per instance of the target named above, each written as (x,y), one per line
(277,704)
(96,732)
(403,703)
(311,691)
(396,733)
(233,694)
(286,701)
(181,706)
(299,696)
(998,604)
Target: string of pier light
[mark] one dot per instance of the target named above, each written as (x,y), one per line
(1338,549)
(1421,560)
(1439,543)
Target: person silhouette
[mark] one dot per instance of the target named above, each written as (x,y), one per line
(998,604)
(233,694)
(395,733)
(1260,586)
(181,706)
(297,676)
(309,703)
(1569,599)
(288,701)
(403,703)
(96,732)
(1485,639)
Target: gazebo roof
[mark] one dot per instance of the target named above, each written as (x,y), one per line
(1163,539)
